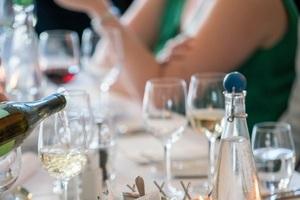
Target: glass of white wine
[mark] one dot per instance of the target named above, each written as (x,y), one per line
(206,109)
(164,109)
(62,146)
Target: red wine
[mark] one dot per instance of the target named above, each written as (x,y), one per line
(61,75)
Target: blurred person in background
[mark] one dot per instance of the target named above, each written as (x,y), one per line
(292,114)
(52,16)
(180,38)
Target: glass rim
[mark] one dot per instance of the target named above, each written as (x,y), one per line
(57,33)
(271,124)
(74,92)
(208,75)
(166,82)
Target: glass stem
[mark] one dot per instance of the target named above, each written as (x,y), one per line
(167,149)
(65,186)
(104,95)
(211,160)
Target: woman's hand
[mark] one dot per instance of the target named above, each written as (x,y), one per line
(177,50)
(88,6)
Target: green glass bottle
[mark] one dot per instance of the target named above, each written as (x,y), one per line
(18,119)
(23,2)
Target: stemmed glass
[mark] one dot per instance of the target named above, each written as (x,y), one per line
(274,154)
(102,56)
(79,105)
(164,109)
(10,166)
(59,55)
(206,109)
(62,146)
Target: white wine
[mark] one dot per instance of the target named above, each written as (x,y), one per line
(207,121)
(62,163)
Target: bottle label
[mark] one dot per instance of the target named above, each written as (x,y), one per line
(23,2)
(3,112)
(7,147)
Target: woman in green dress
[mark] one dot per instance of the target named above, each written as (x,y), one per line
(183,37)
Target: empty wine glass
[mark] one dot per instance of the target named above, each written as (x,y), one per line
(206,109)
(164,109)
(62,146)
(274,154)
(59,55)
(102,55)
(10,166)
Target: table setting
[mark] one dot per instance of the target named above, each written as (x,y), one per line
(182,141)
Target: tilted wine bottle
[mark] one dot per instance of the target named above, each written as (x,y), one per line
(18,119)
(236,177)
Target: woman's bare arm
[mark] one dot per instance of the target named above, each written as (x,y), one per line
(231,32)
(143,18)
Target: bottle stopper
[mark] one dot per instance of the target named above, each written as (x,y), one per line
(234,82)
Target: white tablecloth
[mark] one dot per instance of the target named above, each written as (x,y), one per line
(138,154)
(131,161)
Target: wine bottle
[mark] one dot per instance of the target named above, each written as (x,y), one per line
(236,177)
(18,119)
(23,2)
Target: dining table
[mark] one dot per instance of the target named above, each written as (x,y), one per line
(135,153)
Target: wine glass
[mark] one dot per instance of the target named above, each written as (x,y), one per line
(10,166)
(102,56)
(101,65)
(206,109)
(79,105)
(61,146)
(164,109)
(274,154)
(59,55)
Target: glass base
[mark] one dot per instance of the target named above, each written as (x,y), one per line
(172,192)
(18,193)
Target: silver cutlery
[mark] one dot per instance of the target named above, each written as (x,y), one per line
(284,195)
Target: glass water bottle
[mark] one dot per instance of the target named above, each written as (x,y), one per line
(236,177)
(20,55)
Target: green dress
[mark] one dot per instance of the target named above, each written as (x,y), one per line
(270,72)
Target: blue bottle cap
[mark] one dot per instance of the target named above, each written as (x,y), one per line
(234,81)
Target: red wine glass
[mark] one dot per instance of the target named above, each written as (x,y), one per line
(59,55)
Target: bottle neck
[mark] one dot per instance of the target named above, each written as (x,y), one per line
(24,13)
(235,116)
(45,107)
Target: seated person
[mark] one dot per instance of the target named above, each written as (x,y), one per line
(51,16)
(257,38)
(292,115)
